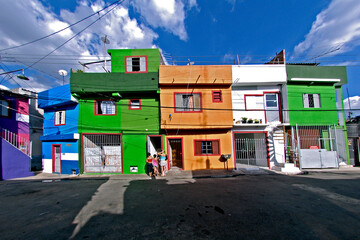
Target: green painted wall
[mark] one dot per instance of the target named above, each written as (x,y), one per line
(146,120)
(134,152)
(118,58)
(326,114)
(87,83)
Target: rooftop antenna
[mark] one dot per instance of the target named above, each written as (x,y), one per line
(105,40)
(63,73)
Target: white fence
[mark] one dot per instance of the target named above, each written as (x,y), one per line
(14,139)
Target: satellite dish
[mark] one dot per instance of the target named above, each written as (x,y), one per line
(63,72)
(105,40)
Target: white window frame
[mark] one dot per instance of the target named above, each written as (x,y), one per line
(60,118)
(315,100)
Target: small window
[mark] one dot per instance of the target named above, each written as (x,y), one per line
(311,100)
(271,100)
(4,108)
(60,118)
(207,147)
(136,64)
(105,107)
(187,102)
(134,104)
(216,96)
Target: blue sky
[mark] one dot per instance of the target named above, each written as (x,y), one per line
(202,31)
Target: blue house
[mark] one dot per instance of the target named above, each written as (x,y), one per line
(60,135)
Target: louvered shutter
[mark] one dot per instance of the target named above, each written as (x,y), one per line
(306,100)
(129,64)
(215,147)
(198,150)
(317,100)
(142,64)
(57,118)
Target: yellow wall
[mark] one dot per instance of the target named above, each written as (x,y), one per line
(196,79)
(192,162)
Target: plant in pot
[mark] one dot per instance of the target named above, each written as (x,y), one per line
(244,119)
(256,120)
(250,120)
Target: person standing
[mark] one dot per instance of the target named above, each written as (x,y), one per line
(162,162)
(149,165)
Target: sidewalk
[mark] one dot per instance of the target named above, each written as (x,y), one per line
(182,174)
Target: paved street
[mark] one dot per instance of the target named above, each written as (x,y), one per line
(319,205)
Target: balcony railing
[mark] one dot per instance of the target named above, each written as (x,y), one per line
(14,139)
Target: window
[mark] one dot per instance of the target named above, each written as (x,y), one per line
(208,147)
(254,102)
(271,100)
(134,104)
(60,117)
(187,102)
(311,100)
(216,96)
(104,107)
(136,64)
(4,108)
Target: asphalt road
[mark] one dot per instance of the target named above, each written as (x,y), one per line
(314,206)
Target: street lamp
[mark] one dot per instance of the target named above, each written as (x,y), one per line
(63,73)
(22,77)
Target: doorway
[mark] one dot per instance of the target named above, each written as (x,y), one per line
(56,158)
(175,153)
(154,144)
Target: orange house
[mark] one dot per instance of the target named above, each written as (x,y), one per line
(196,114)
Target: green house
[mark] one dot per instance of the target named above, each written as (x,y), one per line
(119,112)
(315,115)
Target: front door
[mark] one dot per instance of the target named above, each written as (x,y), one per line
(175,153)
(56,158)
(272,107)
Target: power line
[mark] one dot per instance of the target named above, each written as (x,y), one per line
(36,40)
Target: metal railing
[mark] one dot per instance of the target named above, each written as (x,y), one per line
(14,139)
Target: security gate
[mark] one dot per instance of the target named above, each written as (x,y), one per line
(250,149)
(102,153)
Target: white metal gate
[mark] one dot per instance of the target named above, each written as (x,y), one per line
(102,153)
(251,151)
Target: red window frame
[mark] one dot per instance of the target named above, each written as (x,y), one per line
(146,64)
(64,118)
(131,108)
(101,100)
(196,153)
(201,108)
(215,99)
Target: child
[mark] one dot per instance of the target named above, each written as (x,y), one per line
(155,165)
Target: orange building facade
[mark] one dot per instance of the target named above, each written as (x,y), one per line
(196,114)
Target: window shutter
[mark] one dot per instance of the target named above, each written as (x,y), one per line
(197,102)
(306,100)
(317,100)
(215,146)
(129,64)
(198,150)
(56,118)
(179,102)
(142,64)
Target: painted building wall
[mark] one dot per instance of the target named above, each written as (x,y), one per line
(13,163)
(118,58)
(324,115)
(53,100)
(196,79)
(191,161)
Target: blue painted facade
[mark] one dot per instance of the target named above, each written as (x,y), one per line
(64,135)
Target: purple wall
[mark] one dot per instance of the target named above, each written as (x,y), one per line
(14,163)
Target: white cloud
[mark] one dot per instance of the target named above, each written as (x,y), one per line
(37,21)
(167,14)
(338,26)
(354,105)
